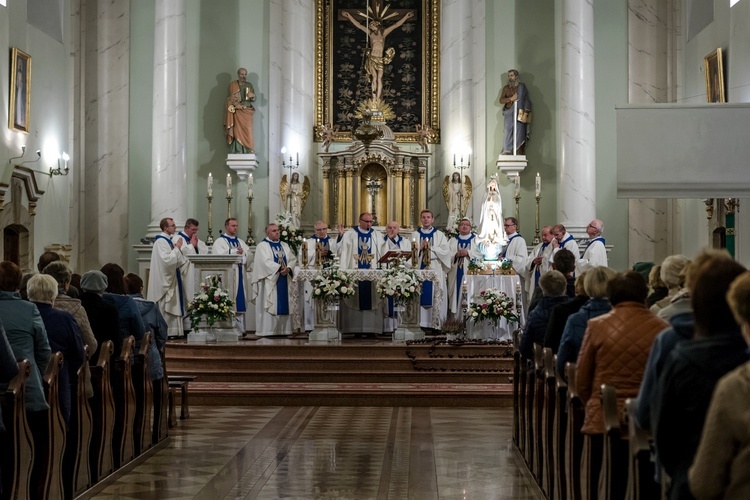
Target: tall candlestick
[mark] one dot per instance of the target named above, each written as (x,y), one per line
(250,186)
(517,187)
(538,184)
(229,185)
(210,184)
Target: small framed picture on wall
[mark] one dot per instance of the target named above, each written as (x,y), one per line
(20,90)
(714,76)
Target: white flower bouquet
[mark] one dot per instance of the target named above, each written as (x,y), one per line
(332,284)
(492,305)
(212,302)
(290,234)
(400,283)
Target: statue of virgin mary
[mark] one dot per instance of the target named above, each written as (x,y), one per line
(492,235)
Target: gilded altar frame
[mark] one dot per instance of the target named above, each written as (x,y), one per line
(325,17)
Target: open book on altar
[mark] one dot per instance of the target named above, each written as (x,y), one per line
(392,255)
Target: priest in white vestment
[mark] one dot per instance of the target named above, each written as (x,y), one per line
(165,285)
(191,245)
(538,262)
(229,244)
(595,253)
(327,249)
(393,241)
(360,248)
(464,247)
(516,250)
(271,283)
(439,259)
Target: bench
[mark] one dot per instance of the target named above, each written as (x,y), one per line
(179,382)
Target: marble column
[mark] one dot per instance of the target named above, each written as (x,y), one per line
(462,98)
(577,187)
(169,134)
(653,63)
(292,55)
(105,90)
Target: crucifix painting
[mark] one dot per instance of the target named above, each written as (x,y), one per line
(379,56)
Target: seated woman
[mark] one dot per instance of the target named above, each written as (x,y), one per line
(116,293)
(63,334)
(153,320)
(595,285)
(692,371)
(722,462)
(553,285)
(27,337)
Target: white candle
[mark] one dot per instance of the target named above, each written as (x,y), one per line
(250,186)
(517,189)
(229,185)
(538,184)
(210,184)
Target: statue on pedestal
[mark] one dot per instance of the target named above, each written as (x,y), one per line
(492,236)
(238,115)
(294,194)
(457,195)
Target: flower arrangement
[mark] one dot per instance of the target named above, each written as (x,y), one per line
(492,305)
(332,284)
(290,234)
(476,266)
(400,283)
(211,302)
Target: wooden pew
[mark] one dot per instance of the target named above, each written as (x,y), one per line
(522,407)
(161,403)
(123,446)
(613,476)
(548,413)
(529,443)
(537,416)
(641,484)
(573,436)
(49,442)
(101,460)
(144,398)
(560,421)
(76,468)
(17,444)
(516,390)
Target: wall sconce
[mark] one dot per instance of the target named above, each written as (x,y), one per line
(62,165)
(38,157)
(23,152)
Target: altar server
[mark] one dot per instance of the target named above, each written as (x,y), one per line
(361,249)
(435,253)
(271,282)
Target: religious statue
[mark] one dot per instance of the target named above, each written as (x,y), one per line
(515,119)
(377,55)
(424,134)
(238,115)
(294,194)
(457,195)
(491,231)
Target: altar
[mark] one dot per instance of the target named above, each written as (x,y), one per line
(511,286)
(409,320)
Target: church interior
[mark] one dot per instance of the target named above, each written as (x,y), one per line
(639,120)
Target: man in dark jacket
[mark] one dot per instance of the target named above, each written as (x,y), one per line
(553,285)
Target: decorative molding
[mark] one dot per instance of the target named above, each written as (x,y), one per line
(28,179)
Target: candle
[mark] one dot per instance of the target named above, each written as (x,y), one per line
(210,184)
(538,184)
(250,186)
(517,189)
(229,185)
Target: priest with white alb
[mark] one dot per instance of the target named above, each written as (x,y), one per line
(165,286)
(229,244)
(595,253)
(464,248)
(435,252)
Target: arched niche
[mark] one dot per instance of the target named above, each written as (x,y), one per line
(373,192)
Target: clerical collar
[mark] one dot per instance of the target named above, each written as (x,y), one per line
(466,236)
(362,231)
(271,241)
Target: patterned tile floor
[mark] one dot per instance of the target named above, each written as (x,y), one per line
(333,452)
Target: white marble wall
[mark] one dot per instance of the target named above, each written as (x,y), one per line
(654,225)
(462,99)
(104,189)
(291,87)
(169,133)
(577,187)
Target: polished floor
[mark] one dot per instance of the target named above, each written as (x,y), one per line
(333,452)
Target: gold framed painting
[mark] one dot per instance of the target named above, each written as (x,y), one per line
(381,56)
(20,90)
(714,76)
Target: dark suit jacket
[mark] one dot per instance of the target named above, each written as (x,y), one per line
(558,319)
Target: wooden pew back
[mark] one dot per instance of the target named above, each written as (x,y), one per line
(76,468)
(558,433)
(49,445)
(144,401)
(17,458)
(641,484)
(123,446)
(102,416)
(573,436)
